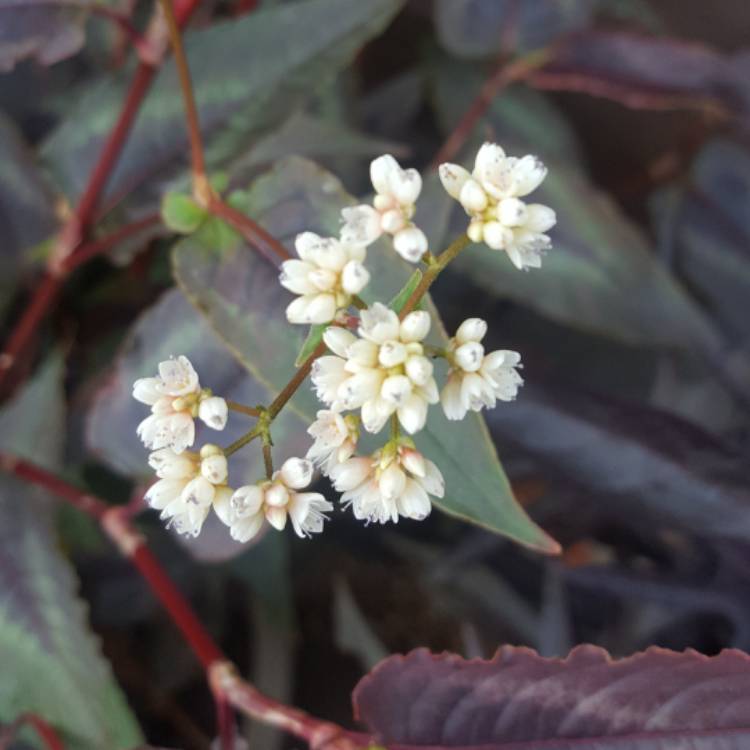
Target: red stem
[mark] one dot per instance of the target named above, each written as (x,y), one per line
(47,734)
(506,74)
(179,610)
(254,234)
(224,721)
(41,300)
(227,686)
(91,249)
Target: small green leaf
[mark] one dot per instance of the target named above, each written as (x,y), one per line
(314,337)
(181,213)
(406,291)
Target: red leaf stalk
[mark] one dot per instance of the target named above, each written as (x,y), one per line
(516,70)
(48,736)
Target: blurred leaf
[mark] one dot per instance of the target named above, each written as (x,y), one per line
(600,274)
(46,33)
(352,633)
(51,664)
(181,213)
(173,327)
(655,700)
(639,69)
(477,28)
(27,208)
(238,292)
(705,229)
(248,73)
(638,463)
(304,134)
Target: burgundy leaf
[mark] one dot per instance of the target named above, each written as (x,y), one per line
(48,33)
(644,71)
(655,700)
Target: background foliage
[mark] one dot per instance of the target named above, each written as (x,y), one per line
(628,444)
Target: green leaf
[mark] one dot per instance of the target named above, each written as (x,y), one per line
(239,295)
(314,337)
(181,213)
(52,665)
(406,291)
(248,73)
(601,275)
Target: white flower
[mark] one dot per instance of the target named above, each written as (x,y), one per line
(273,500)
(392,482)
(335,439)
(491,196)
(396,192)
(327,275)
(475,379)
(188,486)
(383,372)
(176,399)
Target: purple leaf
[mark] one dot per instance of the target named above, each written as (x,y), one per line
(655,700)
(643,70)
(47,33)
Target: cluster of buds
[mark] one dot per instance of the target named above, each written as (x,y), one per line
(190,484)
(491,196)
(381,376)
(176,399)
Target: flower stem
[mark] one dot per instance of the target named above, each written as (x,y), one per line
(298,378)
(242,441)
(201,188)
(267,456)
(432,272)
(249,410)
(254,234)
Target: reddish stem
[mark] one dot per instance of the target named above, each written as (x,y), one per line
(49,737)
(91,249)
(43,296)
(227,686)
(254,234)
(179,610)
(516,70)
(224,721)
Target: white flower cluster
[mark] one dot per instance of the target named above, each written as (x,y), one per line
(491,196)
(396,193)
(383,374)
(176,399)
(190,484)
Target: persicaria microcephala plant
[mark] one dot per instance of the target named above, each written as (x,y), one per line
(373,371)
